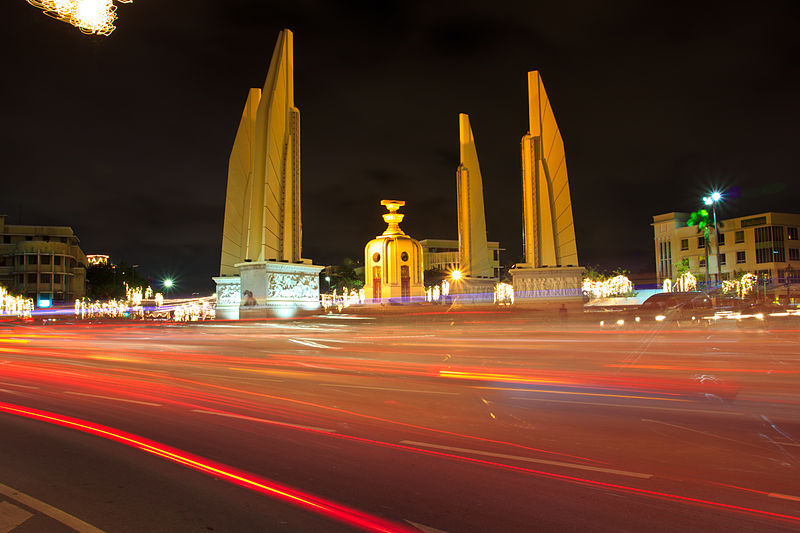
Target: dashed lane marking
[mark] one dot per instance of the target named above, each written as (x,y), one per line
(528,459)
(389,389)
(46,509)
(705,411)
(262,420)
(112,398)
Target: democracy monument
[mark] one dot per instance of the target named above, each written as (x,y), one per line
(262,272)
(550,272)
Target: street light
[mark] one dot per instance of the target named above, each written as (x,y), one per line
(168,283)
(712,200)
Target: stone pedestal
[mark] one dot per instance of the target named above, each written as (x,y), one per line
(268,289)
(229,295)
(547,286)
(468,290)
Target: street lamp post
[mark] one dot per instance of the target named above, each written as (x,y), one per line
(712,201)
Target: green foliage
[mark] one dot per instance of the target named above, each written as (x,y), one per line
(682,267)
(434,276)
(702,220)
(595,273)
(105,282)
(344,277)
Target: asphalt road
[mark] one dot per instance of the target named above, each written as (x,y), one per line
(418,421)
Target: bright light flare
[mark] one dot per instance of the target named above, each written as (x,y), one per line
(89,16)
(168,283)
(456,275)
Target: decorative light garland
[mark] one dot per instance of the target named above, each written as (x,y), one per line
(14,305)
(89,16)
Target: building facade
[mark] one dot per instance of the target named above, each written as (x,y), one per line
(442,254)
(765,244)
(44,263)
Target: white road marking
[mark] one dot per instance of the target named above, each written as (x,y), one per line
(424,528)
(789,444)
(706,433)
(784,496)
(314,344)
(734,413)
(17,385)
(389,389)
(56,514)
(530,459)
(112,398)
(263,420)
(11,516)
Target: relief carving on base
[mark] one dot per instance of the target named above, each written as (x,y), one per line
(228,294)
(292,286)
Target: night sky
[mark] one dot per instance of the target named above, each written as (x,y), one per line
(126,138)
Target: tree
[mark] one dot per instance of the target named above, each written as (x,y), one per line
(344,277)
(105,282)
(702,220)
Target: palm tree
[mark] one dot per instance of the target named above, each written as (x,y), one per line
(702,220)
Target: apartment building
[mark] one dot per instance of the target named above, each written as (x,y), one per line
(765,244)
(44,263)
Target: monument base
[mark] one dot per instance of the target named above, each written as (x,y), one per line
(229,295)
(268,289)
(468,290)
(548,286)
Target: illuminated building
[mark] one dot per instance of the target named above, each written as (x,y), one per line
(442,254)
(551,270)
(43,263)
(97,259)
(765,244)
(261,269)
(393,262)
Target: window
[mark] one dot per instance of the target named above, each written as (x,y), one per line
(739,237)
(20,279)
(44,278)
(57,260)
(701,242)
(684,244)
(770,244)
(20,259)
(791,233)
(750,222)
(45,259)
(794,254)
(33,260)
(31,278)
(741,257)
(703,263)
(721,239)
(58,279)
(722,260)
(6,239)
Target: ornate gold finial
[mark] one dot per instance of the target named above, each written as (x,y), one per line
(393,218)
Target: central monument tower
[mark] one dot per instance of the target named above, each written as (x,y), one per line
(550,272)
(261,268)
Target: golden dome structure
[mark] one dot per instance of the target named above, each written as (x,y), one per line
(393,262)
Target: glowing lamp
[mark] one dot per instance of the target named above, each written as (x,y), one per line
(456,275)
(168,283)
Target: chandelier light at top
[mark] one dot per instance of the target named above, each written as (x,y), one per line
(89,16)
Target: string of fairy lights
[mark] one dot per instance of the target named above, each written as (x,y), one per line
(89,16)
